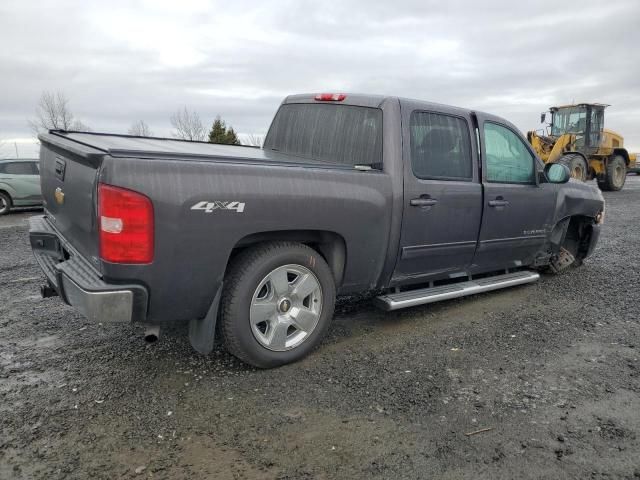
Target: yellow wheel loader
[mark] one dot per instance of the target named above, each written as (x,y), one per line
(576,137)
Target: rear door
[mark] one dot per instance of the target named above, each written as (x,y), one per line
(442,194)
(517,211)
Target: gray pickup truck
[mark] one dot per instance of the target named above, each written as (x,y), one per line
(416,201)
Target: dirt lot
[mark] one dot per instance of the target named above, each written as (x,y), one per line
(553,369)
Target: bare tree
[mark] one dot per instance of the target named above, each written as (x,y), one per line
(52,112)
(188,125)
(252,139)
(140,129)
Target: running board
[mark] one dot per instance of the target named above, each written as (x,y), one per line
(394,301)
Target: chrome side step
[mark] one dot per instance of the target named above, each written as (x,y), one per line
(395,301)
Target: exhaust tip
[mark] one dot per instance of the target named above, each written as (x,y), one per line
(152,334)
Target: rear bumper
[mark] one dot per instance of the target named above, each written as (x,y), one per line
(79,284)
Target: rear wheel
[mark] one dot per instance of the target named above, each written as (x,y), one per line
(615,174)
(576,164)
(5,203)
(277,303)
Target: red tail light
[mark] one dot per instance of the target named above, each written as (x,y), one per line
(125,219)
(330,97)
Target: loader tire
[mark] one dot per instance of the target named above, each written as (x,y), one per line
(615,175)
(576,164)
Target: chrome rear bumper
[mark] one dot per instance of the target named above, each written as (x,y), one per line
(79,284)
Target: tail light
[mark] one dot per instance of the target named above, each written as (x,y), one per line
(330,97)
(125,220)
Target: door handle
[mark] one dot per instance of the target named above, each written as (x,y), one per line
(423,202)
(498,202)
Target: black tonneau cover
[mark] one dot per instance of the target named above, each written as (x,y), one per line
(91,145)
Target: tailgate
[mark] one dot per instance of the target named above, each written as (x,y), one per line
(68,177)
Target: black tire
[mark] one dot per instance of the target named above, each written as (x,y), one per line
(615,175)
(576,165)
(247,272)
(5,203)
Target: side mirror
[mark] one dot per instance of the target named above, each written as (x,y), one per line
(543,117)
(557,173)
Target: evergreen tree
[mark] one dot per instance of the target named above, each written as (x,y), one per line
(232,138)
(221,134)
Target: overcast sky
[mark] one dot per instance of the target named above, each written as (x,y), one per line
(121,61)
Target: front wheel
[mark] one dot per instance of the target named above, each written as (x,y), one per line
(277,303)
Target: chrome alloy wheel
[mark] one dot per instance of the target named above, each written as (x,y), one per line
(4,206)
(286,307)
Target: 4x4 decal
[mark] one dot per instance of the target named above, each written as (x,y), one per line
(209,207)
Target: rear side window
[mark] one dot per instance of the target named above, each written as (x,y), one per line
(341,134)
(508,159)
(440,147)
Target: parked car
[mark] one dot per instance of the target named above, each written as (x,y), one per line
(19,184)
(350,193)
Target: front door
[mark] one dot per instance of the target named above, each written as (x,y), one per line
(442,195)
(517,210)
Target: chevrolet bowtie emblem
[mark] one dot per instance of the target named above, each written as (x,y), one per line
(59,196)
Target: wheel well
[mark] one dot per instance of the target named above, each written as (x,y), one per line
(572,233)
(7,194)
(330,245)
(623,152)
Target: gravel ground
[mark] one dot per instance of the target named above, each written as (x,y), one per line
(551,369)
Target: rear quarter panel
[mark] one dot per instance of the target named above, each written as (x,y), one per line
(192,247)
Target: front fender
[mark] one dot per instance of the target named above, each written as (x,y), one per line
(578,198)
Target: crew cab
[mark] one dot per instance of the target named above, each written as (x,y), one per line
(413,200)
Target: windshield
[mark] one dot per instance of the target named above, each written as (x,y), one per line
(569,120)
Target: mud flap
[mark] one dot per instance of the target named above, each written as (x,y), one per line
(202,331)
(563,260)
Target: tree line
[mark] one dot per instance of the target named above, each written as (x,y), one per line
(53,112)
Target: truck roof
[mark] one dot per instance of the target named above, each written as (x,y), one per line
(376,101)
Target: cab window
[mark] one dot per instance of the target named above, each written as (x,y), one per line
(508,159)
(440,147)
